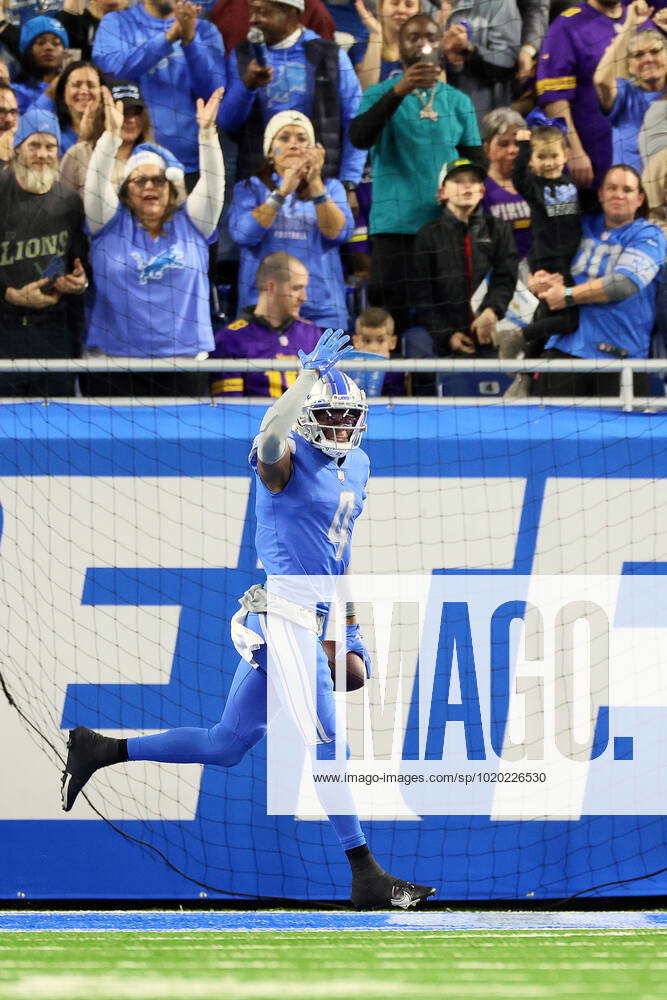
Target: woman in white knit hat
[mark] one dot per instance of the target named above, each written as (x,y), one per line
(149,252)
(288,206)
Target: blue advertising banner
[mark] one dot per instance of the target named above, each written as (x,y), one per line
(127,537)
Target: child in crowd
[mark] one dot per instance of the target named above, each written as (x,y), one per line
(374,332)
(556,224)
(374,336)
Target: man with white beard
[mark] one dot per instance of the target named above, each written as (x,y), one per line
(41,246)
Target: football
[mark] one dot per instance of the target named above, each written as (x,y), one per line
(354,665)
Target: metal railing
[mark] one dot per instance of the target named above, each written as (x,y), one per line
(625,399)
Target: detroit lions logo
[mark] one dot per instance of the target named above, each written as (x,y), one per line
(287,85)
(156,266)
(559,194)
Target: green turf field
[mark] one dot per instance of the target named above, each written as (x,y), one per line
(625,965)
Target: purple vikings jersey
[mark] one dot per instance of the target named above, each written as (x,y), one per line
(513,208)
(574,45)
(247,337)
(306,529)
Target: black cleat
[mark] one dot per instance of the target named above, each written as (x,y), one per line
(382,891)
(87,752)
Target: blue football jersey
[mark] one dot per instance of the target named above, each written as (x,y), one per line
(306,529)
(637,250)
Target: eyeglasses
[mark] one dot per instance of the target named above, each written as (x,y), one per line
(640,53)
(159,180)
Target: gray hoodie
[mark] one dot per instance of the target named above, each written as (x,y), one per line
(494,27)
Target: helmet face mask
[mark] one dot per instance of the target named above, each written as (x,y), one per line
(333,418)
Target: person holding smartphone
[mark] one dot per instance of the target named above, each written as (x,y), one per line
(411,125)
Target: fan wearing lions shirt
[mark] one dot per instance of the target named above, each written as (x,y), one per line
(149,252)
(41,246)
(271,329)
(616,272)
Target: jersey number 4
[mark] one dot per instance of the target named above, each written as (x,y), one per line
(340,523)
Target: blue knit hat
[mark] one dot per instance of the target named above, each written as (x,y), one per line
(37,120)
(40,25)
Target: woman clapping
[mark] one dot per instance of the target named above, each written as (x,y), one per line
(149,253)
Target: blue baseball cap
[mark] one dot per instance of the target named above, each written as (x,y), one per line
(40,25)
(37,120)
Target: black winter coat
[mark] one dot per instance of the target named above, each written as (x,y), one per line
(442,288)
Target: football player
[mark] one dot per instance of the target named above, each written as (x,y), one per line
(311,487)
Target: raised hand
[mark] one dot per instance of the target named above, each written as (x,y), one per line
(113,113)
(660,18)
(637,12)
(208,112)
(87,123)
(419,76)
(186,17)
(328,351)
(292,177)
(455,40)
(314,161)
(369,21)
(441,16)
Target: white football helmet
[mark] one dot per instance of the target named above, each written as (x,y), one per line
(335,403)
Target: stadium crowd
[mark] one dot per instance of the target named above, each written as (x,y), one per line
(466,178)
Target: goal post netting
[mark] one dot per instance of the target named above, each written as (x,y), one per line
(127,539)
